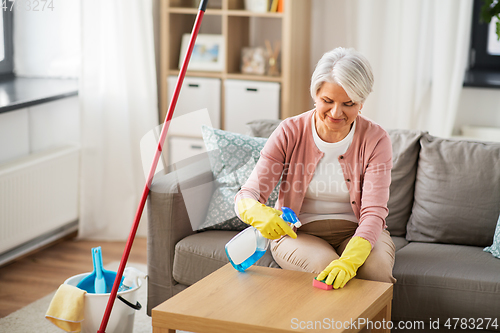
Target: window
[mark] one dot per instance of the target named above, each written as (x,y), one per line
(484,60)
(6,46)
(493,43)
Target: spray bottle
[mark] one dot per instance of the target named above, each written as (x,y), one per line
(130,278)
(244,249)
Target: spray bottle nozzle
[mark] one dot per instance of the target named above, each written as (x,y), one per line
(290,216)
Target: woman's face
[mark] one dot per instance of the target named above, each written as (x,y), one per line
(335,112)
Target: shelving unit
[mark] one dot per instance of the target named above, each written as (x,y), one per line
(238,26)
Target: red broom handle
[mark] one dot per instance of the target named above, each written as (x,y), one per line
(140,209)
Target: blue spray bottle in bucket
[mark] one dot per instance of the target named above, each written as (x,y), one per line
(244,249)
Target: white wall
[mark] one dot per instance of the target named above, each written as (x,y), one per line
(330,29)
(14,135)
(54,124)
(39,128)
(478,107)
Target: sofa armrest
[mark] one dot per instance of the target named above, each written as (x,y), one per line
(172,216)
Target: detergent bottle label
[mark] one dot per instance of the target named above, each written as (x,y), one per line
(242,247)
(247,247)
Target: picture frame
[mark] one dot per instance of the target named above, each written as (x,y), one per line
(208,53)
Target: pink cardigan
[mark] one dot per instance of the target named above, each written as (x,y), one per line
(291,155)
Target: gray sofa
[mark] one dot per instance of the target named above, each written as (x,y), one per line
(443,209)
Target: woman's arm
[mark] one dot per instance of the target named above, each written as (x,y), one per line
(250,200)
(268,170)
(375,191)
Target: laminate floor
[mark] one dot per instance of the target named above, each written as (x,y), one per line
(38,274)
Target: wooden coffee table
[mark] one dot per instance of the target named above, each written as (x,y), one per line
(273,300)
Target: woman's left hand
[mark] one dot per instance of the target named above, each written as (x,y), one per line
(341,270)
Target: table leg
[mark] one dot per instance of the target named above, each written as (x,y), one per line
(384,316)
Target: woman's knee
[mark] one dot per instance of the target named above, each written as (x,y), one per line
(379,264)
(376,270)
(306,253)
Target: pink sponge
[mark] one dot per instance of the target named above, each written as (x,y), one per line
(321,285)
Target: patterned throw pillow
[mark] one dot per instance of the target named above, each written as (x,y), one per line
(494,249)
(230,151)
(236,158)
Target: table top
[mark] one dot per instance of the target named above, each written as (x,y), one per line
(268,300)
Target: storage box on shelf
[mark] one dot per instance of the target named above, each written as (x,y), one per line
(181,148)
(249,100)
(197,93)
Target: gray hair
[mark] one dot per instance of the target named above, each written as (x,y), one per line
(347,68)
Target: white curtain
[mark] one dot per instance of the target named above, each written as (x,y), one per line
(419,51)
(47,41)
(118,106)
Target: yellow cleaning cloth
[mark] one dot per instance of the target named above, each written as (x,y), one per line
(66,308)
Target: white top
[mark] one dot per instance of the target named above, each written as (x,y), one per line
(327,196)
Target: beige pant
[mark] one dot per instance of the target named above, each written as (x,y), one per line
(320,242)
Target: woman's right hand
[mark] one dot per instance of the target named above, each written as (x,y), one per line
(263,218)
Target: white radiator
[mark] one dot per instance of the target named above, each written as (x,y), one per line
(38,196)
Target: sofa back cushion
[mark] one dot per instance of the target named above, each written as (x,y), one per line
(262,128)
(457,192)
(405,150)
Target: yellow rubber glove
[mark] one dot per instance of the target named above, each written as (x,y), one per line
(341,270)
(265,219)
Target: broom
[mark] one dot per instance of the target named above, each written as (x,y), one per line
(163,134)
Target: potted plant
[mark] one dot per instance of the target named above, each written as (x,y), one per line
(490,9)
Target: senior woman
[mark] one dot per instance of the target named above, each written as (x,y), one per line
(335,171)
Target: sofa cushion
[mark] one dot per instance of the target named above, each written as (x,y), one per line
(445,281)
(399,242)
(405,150)
(200,254)
(457,192)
